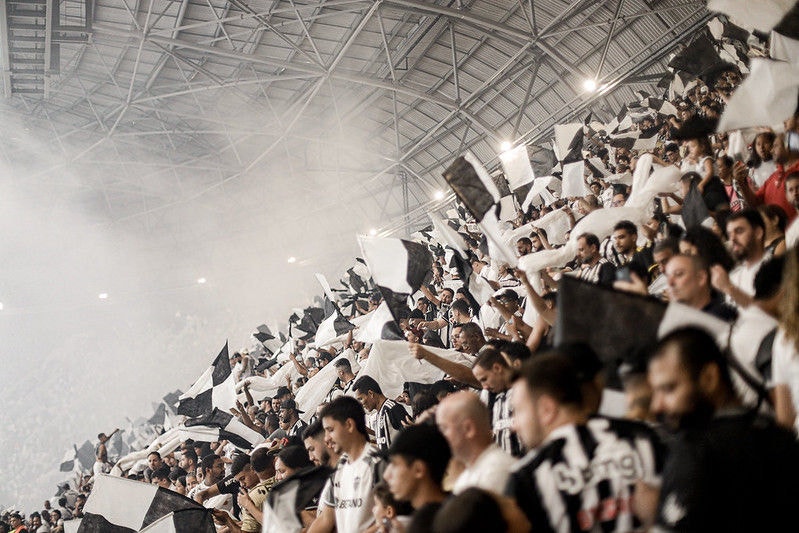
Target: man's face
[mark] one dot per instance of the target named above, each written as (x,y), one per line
(685,283)
(745,241)
(341,372)
(317,450)
(536,240)
(247,478)
(455,339)
(623,241)
(585,252)
(161,482)
(276,404)
(525,422)
(450,424)
(286,419)
(468,342)
(337,436)
(523,248)
(367,400)
(492,380)
(676,398)
(36,521)
(15,522)
(595,189)
(792,192)
(54,518)
(401,478)
(662,257)
(445,297)
(215,473)
(191,482)
(154,462)
(618,200)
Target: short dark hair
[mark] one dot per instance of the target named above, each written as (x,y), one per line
(554,375)
(344,408)
(240,462)
(627,226)
(696,349)
(461,306)
(525,240)
(294,457)
(160,473)
(384,496)
(792,176)
(425,443)
(775,211)
(364,384)
(590,239)
(261,460)
(488,356)
(769,278)
(448,289)
(208,461)
(472,510)
(516,351)
(154,453)
(343,363)
(470,328)
(313,430)
(752,216)
(190,454)
(669,243)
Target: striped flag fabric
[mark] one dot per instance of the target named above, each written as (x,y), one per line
(218,425)
(214,389)
(120,505)
(569,141)
(333,327)
(474,187)
(262,333)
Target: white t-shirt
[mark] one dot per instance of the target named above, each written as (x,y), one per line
(490,471)
(785,367)
(352,490)
(763,172)
(748,332)
(743,276)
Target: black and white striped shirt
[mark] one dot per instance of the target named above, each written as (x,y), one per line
(388,423)
(583,477)
(499,404)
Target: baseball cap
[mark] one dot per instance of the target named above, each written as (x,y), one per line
(290,404)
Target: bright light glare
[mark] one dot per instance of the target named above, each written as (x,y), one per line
(372,232)
(1,306)
(103,295)
(439,195)
(292,259)
(506,146)
(201,280)
(589,85)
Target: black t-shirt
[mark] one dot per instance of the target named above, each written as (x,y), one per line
(737,474)
(422,520)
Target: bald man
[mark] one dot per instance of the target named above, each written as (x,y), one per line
(466,424)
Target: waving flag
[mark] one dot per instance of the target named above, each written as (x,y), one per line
(120,505)
(218,425)
(214,389)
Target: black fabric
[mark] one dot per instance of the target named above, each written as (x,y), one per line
(221,366)
(789,25)
(694,208)
(719,308)
(193,521)
(698,58)
(602,318)
(263,334)
(419,261)
(715,195)
(94,523)
(165,502)
(764,354)
(422,518)
(737,474)
(574,152)
(468,187)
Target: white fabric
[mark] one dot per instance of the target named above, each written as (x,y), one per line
(765,98)
(763,172)
(109,492)
(445,235)
(783,48)
(387,259)
(752,326)
(371,331)
(680,315)
(743,277)
(573,181)
(314,391)
(490,471)
(785,367)
(484,176)
(761,15)
(517,167)
(353,491)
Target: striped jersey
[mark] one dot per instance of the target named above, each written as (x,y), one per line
(499,404)
(583,477)
(388,423)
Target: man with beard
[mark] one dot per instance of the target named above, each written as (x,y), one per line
(318,452)
(746,231)
(729,468)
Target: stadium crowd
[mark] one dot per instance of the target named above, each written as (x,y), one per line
(519,428)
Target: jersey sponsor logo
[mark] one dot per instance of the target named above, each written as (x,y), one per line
(573,479)
(349,503)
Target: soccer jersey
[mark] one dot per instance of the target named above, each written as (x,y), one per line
(388,423)
(583,477)
(351,488)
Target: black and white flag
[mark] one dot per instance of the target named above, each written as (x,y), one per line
(68,461)
(569,143)
(262,333)
(214,389)
(398,268)
(120,505)
(218,425)
(381,325)
(333,327)
(474,187)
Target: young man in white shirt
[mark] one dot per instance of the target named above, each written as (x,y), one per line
(347,498)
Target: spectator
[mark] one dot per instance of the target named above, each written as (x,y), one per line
(689,283)
(390,416)
(494,375)
(466,424)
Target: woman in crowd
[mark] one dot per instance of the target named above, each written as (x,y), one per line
(762,164)
(776,221)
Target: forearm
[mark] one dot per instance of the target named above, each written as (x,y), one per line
(457,371)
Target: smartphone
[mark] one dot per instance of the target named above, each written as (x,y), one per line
(623,274)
